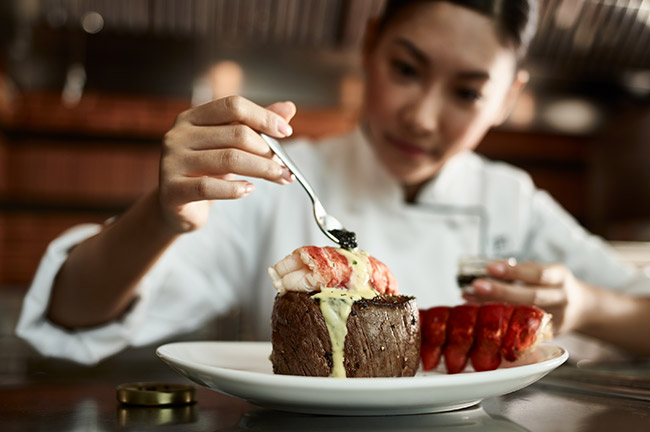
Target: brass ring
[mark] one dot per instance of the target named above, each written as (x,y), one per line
(156,394)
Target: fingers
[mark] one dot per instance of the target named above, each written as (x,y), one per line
(220,162)
(236,109)
(285,109)
(218,151)
(489,289)
(190,189)
(234,136)
(499,291)
(530,273)
(211,145)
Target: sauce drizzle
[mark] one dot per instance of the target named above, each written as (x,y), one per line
(336,305)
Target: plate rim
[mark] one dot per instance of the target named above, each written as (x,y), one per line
(362,383)
(431,393)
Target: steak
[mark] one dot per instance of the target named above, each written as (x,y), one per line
(383,337)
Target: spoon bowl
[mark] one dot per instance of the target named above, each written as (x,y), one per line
(328,224)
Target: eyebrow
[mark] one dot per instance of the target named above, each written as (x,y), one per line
(421,57)
(413,50)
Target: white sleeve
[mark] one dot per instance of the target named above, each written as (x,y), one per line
(172,298)
(554,236)
(87,346)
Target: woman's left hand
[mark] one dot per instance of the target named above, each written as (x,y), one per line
(550,287)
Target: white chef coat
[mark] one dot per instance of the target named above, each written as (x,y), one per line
(473,207)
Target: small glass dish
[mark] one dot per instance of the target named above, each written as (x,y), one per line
(471,268)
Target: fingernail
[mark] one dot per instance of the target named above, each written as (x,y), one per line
(498,267)
(286,174)
(284,128)
(468,290)
(482,286)
(250,187)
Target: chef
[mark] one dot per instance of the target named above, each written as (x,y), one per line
(439,75)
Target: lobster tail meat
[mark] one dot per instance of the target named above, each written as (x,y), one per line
(312,268)
(486,334)
(528,325)
(434,335)
(491,326)
(460,336)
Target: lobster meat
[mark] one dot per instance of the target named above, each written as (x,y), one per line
(483,334)
(312,268)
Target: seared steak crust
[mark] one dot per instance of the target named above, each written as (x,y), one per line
(383,337)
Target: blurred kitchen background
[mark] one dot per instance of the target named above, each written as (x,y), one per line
(88,88)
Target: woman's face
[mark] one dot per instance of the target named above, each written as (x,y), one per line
(438,78)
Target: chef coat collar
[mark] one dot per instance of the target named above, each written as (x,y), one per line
(444,188)
(455,184)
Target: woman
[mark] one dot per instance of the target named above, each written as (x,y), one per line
(439,75)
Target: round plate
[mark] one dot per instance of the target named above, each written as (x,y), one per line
(243,369)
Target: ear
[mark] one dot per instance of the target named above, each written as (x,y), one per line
(521,79)
(369,40)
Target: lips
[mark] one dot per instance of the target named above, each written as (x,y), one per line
(407,148)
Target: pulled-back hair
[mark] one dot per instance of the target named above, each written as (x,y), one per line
(515,20)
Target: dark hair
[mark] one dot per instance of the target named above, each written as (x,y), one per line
(515,20)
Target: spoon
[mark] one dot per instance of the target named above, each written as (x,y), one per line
(328,224)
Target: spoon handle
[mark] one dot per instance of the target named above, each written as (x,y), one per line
(284,157)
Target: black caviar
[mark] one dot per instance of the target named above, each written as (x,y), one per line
(347,239)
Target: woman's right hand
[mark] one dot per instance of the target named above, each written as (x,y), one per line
(208,147)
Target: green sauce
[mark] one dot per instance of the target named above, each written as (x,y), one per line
(336,305)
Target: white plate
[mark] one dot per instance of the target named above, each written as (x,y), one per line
(243,369)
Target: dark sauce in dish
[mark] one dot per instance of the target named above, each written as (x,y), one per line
(466,279)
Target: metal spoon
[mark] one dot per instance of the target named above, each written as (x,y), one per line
(327,223)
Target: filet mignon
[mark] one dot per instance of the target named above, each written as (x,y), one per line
(383,337)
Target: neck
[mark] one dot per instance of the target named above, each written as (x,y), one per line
(411,191)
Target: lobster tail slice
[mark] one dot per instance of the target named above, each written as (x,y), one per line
(434,335)
(528,326)
(491,326)
(460,336)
